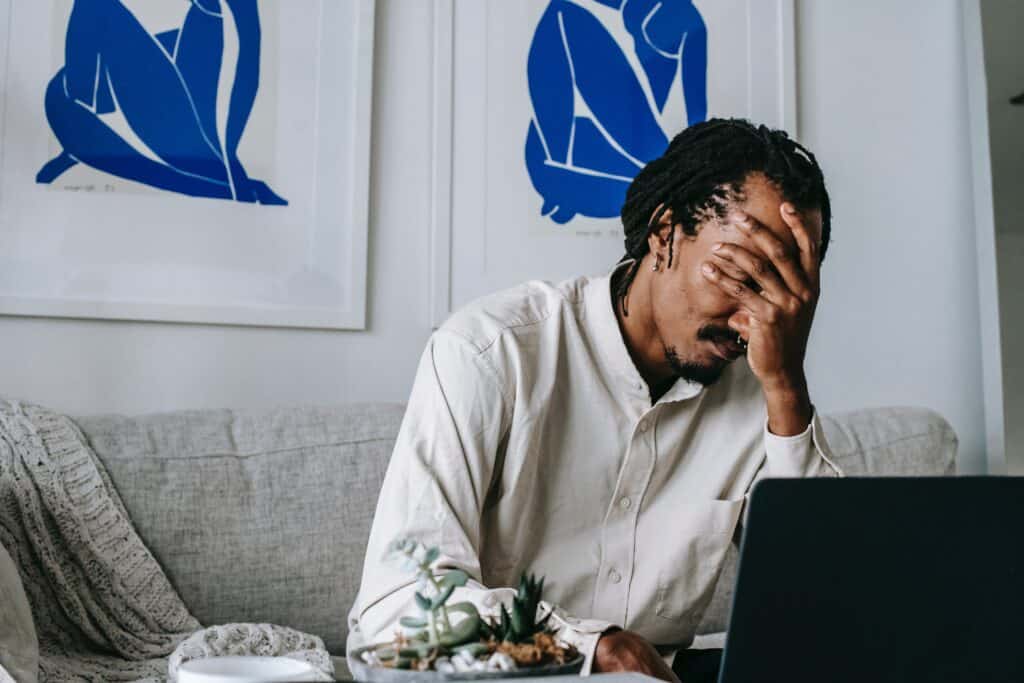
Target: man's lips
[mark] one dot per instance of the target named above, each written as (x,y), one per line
(727,349)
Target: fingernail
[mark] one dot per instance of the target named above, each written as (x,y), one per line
(716,247)
(708,268)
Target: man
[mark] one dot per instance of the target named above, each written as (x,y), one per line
(605,432)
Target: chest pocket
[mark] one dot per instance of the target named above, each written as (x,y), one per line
(687,580)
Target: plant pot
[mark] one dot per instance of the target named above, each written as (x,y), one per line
(361,671)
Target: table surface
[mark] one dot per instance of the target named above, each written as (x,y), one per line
(622,677)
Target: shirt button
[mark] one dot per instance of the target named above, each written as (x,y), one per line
(625,503)
(643,425)
(614,576)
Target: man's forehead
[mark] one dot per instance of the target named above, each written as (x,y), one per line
(761,201)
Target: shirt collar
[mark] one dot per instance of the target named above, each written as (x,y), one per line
(603,329)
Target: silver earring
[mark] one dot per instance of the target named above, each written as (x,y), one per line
(739,340)
(657,263)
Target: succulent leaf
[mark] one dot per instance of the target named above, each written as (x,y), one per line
(423,602)
(506,621)
(431,555)
(442,597)
(455,578)
(465,631)
(467,608)
(413,622)
(520,624)
(519,620)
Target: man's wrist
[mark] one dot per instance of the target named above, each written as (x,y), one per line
(789,406)
(785,383)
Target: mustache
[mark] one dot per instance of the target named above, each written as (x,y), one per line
(717,333)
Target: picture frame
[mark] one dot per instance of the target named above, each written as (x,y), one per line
(125,222)
(488,224)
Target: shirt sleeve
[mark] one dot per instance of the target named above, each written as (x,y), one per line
(802,455)
(442,468)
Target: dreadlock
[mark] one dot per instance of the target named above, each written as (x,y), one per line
(701,175)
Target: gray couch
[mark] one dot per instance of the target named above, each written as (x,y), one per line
(264,517)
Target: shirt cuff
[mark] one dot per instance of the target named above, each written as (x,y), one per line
(582,634)
(801,455)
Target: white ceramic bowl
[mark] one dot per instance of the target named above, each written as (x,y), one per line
(235,669)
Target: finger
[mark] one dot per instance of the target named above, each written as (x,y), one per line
(757,305)
(734,271)
(742,323)
(756,268)
(809,258)
(782,256)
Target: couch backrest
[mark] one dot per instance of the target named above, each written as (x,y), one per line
(264,517)
(255,517)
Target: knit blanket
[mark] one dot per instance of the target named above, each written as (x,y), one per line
(103,607)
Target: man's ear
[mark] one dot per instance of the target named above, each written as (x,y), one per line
(658,239)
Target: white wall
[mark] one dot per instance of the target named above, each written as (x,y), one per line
(882,102)
(881,96)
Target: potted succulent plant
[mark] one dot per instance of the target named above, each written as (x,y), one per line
(453,641)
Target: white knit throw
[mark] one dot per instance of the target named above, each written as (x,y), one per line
(103,607)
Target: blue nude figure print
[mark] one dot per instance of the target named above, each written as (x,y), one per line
(166,86)
(582,162)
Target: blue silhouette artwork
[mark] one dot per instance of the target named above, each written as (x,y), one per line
(166,86)
(582,162)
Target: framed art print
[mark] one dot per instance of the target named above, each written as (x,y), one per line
(545,110)
(193,161)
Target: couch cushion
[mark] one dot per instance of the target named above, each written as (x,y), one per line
(883,442)
(255,517)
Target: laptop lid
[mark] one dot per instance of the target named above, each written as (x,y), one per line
(909,579)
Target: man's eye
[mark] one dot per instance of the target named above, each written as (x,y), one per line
(752,284)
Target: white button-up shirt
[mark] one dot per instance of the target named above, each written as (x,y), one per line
(530,444)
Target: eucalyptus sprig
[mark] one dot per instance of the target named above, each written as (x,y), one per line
(434,625)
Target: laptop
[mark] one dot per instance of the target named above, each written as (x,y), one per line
(878,579)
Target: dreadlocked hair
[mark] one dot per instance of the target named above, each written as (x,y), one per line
(701,175)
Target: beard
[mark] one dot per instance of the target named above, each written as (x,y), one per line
(701,373)
(705,374)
